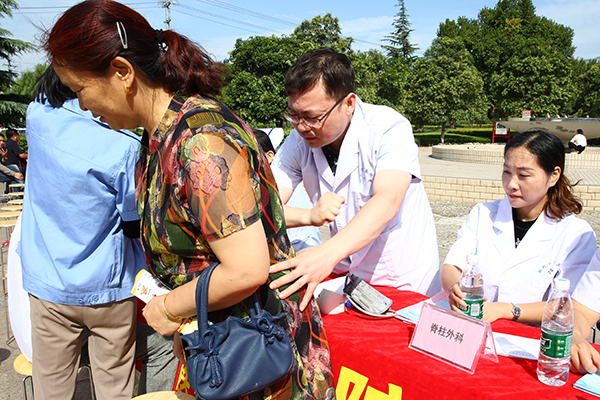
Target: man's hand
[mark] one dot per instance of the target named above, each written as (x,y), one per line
(19,175)
(326,209)
(310,267)
(3,152)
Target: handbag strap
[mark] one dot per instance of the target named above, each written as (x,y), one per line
(202,299)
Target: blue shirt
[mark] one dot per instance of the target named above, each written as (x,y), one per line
(79,187)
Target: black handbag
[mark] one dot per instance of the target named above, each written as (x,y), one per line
(237,356)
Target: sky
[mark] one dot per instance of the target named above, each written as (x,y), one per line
(217,24)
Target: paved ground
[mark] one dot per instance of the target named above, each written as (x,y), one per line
(448,216)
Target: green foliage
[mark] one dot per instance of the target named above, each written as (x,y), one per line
(323,32)
(543,84)
(255,85)
(380,80)
(27,83)
(588,93)
(524,59)
(446,87)
(400,46)
(12,108)
(483,132)
(433,138)
(506,60)
(256,98)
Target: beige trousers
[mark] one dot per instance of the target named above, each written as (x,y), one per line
(57,334)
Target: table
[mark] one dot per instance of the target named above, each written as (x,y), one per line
(372,361)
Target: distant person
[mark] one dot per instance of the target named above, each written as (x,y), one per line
(6,174)
(526,239)
(578,142)
(359,165)
(16,159)
(304,236)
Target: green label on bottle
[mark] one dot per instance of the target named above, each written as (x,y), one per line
(474,308)
(555,344)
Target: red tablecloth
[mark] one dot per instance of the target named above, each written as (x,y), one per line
(372,361)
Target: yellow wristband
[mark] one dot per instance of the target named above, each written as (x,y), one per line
(168,314)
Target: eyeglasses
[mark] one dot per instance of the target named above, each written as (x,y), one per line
(311,122)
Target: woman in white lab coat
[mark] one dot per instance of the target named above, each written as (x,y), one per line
(528,238)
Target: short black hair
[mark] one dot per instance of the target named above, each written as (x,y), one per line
(11,132)
(580,131)
(323,64)
(50,87)
(263,141)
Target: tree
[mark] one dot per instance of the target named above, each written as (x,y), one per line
(255,85)
(446,87)
(588,98)
(12,107)
(323,32)
(400,46)
(510,45)
(541,83)
(26,84)
(381,80)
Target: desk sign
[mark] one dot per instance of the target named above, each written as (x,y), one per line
(454,338)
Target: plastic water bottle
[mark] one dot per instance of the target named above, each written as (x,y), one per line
(471,284)
(557,331)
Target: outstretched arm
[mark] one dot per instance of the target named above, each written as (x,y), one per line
(531,313)
(326,209)
(314,264)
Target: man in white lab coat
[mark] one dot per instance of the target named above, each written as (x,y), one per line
(359,166)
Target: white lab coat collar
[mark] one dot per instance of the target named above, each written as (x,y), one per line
(541,232)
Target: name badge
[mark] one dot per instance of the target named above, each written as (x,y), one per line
(453,338)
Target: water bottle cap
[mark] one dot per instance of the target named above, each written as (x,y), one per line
(473,258)
(561,284)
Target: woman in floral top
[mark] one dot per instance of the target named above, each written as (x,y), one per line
(205,191)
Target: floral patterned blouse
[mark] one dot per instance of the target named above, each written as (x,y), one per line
(202,177)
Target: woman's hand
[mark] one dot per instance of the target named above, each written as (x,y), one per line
(157,319)
(455,298)
(178,348)
(495,311)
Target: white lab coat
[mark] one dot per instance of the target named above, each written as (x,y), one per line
(405,255)
(550,249)
(588,288)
